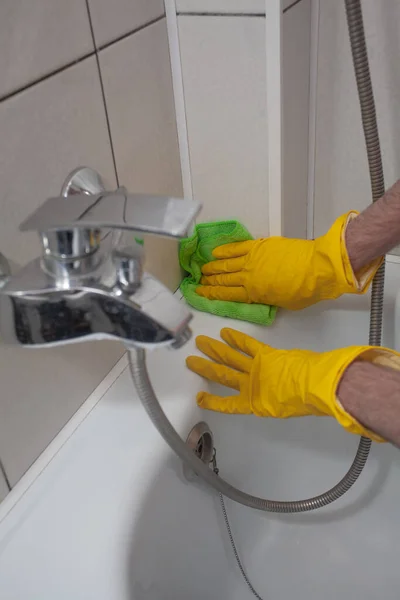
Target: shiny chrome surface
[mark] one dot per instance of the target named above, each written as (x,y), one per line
(160,215)
(201,441)
(5,270)
(83,180)
(70,243)
(128,263)
(35,313)
(83,288)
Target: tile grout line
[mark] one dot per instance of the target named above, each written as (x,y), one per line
(76,61)
(72,63)
(45,77)
(291,6)
(126,35)
(4,473)
(103,94)
(219,14)
(183,13)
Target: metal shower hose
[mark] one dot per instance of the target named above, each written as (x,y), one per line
(137,357)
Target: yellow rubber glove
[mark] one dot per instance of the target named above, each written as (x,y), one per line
(280,383)
(285,272)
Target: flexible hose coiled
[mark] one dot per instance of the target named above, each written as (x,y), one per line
(144,388)
(137,357)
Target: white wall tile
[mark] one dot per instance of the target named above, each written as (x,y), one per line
(296,86)
(342,180)
(38,37)
(3,487)
(45,132)
(111,19)
(225,6)
(142,118)
(224,72)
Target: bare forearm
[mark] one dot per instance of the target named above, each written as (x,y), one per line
(375,231)
(371,394)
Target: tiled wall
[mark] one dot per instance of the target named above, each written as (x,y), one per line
(57,111)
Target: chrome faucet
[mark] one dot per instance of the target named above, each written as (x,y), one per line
(87,285)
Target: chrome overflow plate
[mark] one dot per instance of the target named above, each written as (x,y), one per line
(201,440)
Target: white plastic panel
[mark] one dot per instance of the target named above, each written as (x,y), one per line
(226,6)
(224,79)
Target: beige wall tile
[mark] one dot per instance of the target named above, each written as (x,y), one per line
(38,37)
(142,118)
(45,132)
(111,19)
(224,75)
(341,173)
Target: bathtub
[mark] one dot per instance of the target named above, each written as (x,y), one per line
(106,512)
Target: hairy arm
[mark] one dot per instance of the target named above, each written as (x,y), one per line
(375,231)
(371,394)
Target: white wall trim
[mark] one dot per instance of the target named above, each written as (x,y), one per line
(312,116)
(274,100)
(23,485)
(179,96)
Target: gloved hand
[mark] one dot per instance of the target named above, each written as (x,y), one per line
(280,383)
(285,272)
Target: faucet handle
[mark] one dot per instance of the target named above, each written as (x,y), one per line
(159,215)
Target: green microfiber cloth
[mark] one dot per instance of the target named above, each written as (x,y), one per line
(196,250)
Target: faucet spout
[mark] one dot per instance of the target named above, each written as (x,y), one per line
(151,316)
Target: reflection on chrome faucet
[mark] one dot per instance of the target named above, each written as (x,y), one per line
(83,289)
